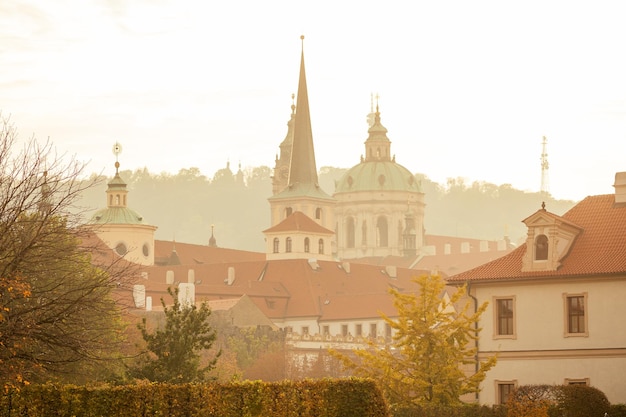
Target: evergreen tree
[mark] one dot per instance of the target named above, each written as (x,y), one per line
(174,352)
(432,356)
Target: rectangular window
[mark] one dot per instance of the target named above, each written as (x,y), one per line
(387,331)
(575,314)
(504,317)
(505,388)
(359,330)
(326,330)
(373,330)
(344,329)
(305,330)
(576,381)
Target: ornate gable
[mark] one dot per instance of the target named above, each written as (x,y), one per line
(549,240)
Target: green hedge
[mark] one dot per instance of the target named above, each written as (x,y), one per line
(465,410)
(321,398)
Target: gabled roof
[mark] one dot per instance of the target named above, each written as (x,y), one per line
(600,249)
(299,222)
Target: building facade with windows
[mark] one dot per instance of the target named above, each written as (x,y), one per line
(556,303)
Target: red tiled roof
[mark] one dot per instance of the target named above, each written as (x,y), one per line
(600,249)
(190,254)
(298,221)
(291,288)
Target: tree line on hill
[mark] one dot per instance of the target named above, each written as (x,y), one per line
(187,206)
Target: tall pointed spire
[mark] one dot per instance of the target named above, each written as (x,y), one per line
(302,169)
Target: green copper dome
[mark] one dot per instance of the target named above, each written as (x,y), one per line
(378,171)
(116,215)
(377,176)
(117,211)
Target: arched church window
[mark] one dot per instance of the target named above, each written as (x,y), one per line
(288,211)
(541,248)
(288,245)
(320,246)
(382,232)
(318,213)
(124,200)
(276,245)
(306,245)
(117,199)
(350,232)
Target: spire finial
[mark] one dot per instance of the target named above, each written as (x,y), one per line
(302,39)
(117,150)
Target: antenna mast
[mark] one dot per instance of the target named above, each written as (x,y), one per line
(544,167)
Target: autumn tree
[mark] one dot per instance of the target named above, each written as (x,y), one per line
(58,316)
(432,357)
(174,351)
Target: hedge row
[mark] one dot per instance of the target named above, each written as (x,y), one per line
(321,398)
(464,410)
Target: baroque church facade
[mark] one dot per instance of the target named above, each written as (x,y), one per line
(377,209)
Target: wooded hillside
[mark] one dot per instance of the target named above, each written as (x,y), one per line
(185,205)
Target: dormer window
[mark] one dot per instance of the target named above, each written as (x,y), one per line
(549,240)
(541,248)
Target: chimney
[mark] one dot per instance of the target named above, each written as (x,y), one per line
(620,188)
(392,271)
(169,277)
(186,294)
(231,276)
(139,295)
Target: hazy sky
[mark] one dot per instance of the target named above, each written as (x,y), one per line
(467,88)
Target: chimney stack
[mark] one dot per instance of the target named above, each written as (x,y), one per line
(620,188)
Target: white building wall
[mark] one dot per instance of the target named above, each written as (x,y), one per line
(541,352)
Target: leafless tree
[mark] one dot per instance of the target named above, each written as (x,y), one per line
(59,312)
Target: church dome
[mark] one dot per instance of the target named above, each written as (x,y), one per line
(116,215)
(378,171)
(377,176)
(117,210)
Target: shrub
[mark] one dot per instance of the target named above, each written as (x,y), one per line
(582,401)
(463,410)
(531,401)
(352,397)
(617,410)
(557,401)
